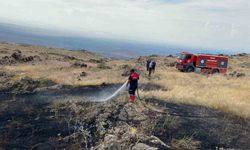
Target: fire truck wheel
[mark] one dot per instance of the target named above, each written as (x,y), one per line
(215,71)
(190,69)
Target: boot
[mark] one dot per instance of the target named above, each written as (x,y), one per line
(132,99)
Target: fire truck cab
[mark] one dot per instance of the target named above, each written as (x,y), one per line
(188,62)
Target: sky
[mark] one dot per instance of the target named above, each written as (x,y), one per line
(214,24)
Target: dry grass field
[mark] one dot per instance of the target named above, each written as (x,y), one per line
(218,91)
(179,110)
(227,93)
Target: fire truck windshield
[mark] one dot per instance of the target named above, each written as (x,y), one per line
(182,56)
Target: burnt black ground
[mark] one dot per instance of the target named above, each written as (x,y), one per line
(27,121)
(211,127)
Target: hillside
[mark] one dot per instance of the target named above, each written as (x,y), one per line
(42,98)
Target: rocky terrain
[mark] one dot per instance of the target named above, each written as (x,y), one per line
(44,91)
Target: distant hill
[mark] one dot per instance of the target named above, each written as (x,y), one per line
(111,48)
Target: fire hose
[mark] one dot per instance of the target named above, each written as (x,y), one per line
(138,94)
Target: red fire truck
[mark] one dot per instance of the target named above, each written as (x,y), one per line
(188,62)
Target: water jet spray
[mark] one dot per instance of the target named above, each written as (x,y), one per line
(122,88)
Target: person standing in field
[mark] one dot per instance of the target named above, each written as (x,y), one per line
(151,68)
(147,64)
(133,85)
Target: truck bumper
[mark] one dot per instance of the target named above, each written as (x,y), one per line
(181,67)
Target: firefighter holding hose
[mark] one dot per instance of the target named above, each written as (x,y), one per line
(133,85)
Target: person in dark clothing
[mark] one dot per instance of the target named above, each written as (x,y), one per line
(150,69)
(153,66)
(133,85)
(147,65)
